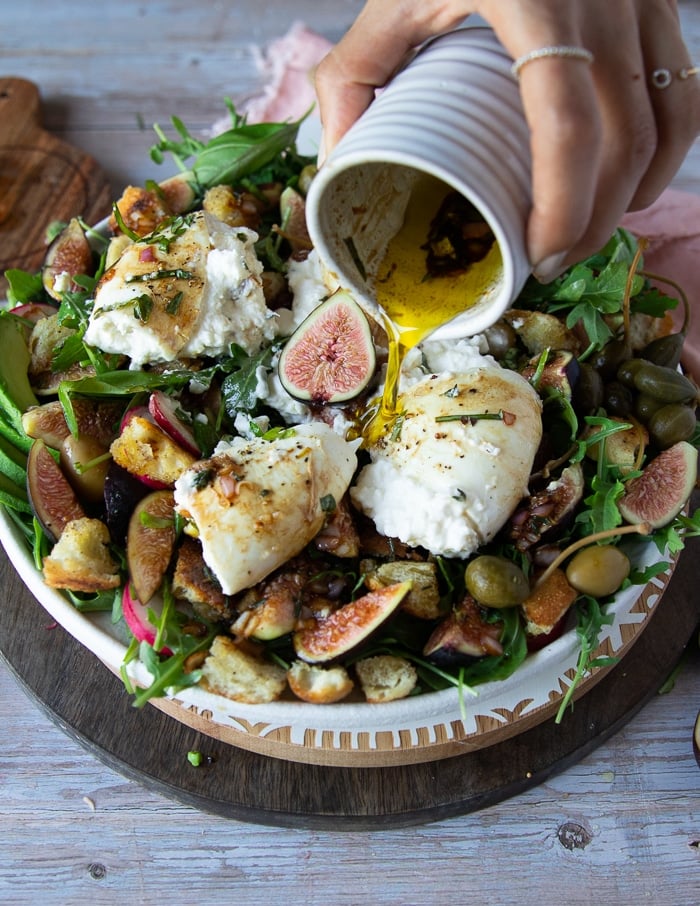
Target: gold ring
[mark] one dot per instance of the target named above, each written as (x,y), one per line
(565,51)
(662,78)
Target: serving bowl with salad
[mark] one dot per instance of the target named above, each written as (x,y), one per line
(199,481)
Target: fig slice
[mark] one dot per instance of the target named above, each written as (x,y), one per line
(330,357)
(51,496)
(659,494)
(332,636)
(150,542)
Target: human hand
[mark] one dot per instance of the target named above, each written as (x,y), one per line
(604,139)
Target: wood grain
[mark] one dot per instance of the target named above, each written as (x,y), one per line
(42,179)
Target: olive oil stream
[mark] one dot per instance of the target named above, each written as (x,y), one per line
(418,292)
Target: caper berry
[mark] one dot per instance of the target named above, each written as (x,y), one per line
(610,357)
(626,371)
(598,570)
(665,350)
(645,406)
(496,582)
(664,383)
(671,424)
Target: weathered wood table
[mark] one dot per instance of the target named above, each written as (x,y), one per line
(620,823)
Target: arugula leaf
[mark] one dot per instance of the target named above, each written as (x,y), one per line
(23,287)
(591,620)
(239,388)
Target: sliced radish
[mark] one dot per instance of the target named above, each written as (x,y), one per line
(34,311)
(140,411)
(136,617)
(164,410)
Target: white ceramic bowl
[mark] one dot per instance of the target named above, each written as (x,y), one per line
(454,112)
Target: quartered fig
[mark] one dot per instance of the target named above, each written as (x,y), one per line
(332,636)
(463,636)
(69,254)
(293,214)
(53,500)
(661,491)
(330,357)
(150,542)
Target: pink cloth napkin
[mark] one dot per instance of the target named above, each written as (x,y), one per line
(671,224)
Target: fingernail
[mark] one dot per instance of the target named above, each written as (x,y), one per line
(550,268)
(321,156)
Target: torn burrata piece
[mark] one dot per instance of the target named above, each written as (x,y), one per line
(457,465)
(190,289)
(255,503)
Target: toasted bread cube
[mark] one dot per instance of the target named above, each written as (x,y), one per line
(233,672)
(548,603)
(146,451)
(319,685)
(423,600)
(81,559)
(386,678)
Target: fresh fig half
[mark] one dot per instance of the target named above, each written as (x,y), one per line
(332,636)
(53,500)
(663,488)
(330,357)
(150,542)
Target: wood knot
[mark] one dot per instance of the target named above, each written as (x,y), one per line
(573,836)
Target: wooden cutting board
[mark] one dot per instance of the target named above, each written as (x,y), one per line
(42,179)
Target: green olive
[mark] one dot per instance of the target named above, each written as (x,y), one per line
(500,338)
(598,570)
(496,582)
(671,424)
(85,463)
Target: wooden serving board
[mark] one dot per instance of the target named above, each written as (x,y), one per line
(90,705)
(42,179)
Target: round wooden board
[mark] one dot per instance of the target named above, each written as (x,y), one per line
(90,705)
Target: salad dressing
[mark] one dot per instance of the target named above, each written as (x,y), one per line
(440,263)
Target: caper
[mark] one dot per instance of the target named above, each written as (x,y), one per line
(618,399)
(500,337)
(645,406)
(496,582)
(664,383)
(671,424)
(598,570)
(626,371)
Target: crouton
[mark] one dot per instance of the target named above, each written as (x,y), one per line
(319,685)
(423,600)
(147,452)
(81,559)
(385,678)
(548,603)
(233,672)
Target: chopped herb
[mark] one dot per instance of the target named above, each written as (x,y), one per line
(174,304)
(328,503)
(176,273)
(143,306)
(354,254)
(202,477)
(468,418)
